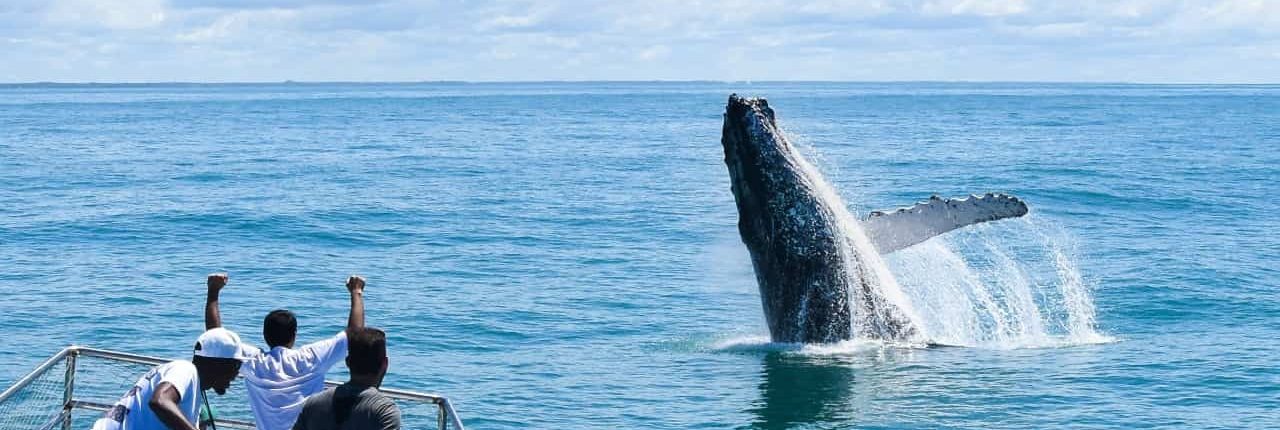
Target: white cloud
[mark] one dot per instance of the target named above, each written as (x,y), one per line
(1258,15)
(987,8)
(240,23)
(107,14)
(846,8)
(166,40)
(655,52)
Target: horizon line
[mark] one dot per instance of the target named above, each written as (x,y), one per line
(623,81)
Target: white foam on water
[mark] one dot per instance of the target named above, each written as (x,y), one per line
(749,343)
(757,343)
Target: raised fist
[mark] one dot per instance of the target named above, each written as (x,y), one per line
(217,281)
(355,283)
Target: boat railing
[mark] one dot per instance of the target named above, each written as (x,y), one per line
(79,379)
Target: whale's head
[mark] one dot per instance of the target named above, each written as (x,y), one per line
(757,155)
(753,151)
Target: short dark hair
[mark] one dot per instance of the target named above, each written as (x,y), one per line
(279,328)
(366,348)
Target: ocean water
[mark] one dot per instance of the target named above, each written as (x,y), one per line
(565,255)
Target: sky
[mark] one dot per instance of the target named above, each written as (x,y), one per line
(1154,41)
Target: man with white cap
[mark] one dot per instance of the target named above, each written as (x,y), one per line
(170,395)
(279,380)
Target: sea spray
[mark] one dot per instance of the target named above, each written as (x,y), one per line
(1076,299)
(1004,285)
(879,306)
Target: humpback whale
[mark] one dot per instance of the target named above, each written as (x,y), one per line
(819,269)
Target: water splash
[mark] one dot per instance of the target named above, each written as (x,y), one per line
(880,308)
(1011,284)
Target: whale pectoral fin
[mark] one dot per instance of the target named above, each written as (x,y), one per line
(898,229)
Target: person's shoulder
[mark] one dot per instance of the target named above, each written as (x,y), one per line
(252,360)
(380,399)
(248,351)
(182,374)
(314,406)
(338,339)
(316,403)
(385,408)
(178,365)
(324,353)
(323,396)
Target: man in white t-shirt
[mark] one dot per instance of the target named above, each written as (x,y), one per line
(279,380)
(169,396)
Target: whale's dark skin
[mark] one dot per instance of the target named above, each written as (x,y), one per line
(815,264)
(804,283)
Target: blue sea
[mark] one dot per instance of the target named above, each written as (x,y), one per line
(566,255)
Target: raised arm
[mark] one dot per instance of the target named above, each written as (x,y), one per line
(212,317)
(164,403)
(355,285)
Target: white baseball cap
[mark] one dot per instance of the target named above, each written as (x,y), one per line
(220,343)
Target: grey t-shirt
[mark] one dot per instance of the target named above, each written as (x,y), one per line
(349,407)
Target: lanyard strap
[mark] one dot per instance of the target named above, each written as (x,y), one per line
(205,395)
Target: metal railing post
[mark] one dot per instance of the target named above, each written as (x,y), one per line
(441,423)
(68,389)
(447,406)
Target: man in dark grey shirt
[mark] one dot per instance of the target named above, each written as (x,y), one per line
(357,404)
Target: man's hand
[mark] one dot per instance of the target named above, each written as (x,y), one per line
(355,284)
(217,281)
(212,315)
(355,320)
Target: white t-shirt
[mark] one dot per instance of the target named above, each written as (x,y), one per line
(280,380)
(132,411)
